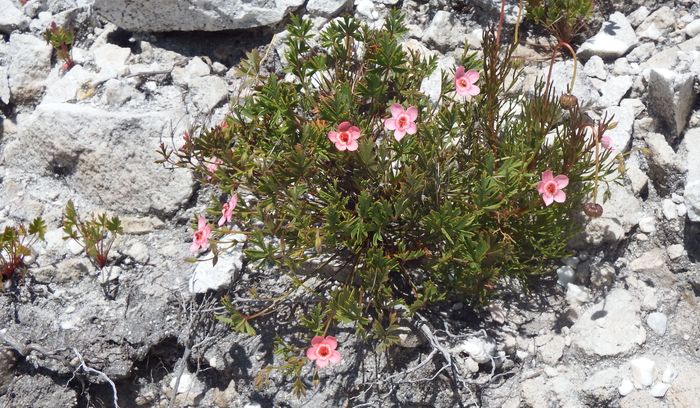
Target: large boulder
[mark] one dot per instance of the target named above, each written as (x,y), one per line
(201,15)
(105,155)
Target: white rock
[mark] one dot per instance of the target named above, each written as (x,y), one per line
(642,372)
(638,178)
(480,350)
(682,210)
(29,66)
(610,327)
(614,39)
(576,295)
(203,15)
(691,142)
(675,251)
(117,93)
(11,18)
(671,97)
(139,252)
(432,85)
(615,89)
(252,405)
(669,209)
(657,23)
(111,59)
(367,9)
(595,68)
(445,31)
(657,322)
(565,275)
(4,85)
(637,17)
(208,92)
(626,387)
(195,68)
(602,275)
(207,276)
(647,225)
(693,28)
(327,8)
(126,141)
(658,390)
(66,88)
(583,87)
(669,374)
(664,161)
(475,38)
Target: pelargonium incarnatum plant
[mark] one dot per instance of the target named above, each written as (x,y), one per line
(16,247)
(344,162)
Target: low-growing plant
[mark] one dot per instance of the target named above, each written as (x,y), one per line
(564,19)
(96,235)
(16,246)
(374,201)
(61,39)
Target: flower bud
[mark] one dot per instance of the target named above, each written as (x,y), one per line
(593,210)
(568,101)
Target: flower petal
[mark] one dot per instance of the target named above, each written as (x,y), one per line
(473,90)
(561,180)
(344,126)
(311,353)
(399,134)
(201,222)
(335,357)
(411,128)
(340,145)
(396,110)
(560,196)
(459,72)
(333,136)
(321,363)
(472,76)
(317,340)
(354,133)
(390,124)
(233,202)
(194,247)
(540,187)
(352,145)
(547,175)
(222,220)
(332,342)
(548,199)
(412,112)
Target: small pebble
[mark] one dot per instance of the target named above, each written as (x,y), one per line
(657,322)
(626,387)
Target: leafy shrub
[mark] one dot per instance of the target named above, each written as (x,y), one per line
(95,235)
(61,39)
(564,19)
(15,247)
(376,202)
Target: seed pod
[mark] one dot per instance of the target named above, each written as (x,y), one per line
(568,101)
(593,210)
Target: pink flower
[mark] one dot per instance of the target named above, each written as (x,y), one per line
(323,351)
(227,209)
(550,187)
(401,121)
(201,236)
(464,82)
(213,165)
(346,137)
(606,141)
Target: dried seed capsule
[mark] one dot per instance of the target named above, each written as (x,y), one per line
(593,210)
(568,101)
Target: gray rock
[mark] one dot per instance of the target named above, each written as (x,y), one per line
(208,92)
(67,87)
(553,350)
(602,275)
(432,85)
(11,18)
(204,15)
(565,274)
(595,68)
(675,251)
(691,141)
(601,387)
(647,225)
(327,8)
(638,178)
(664,162)
(29,66)
(38,391)
(657,322)
(111,59)
(637,17)
(658,390)
(641,53)
(195,68)
(445,32)
(615,38)
(622,133)
(610,327)
(657,23)
(685,391)
(693,28)
(207,276)
(615,89)
(583,87)
(671,97)
(4,86)
(102,154)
